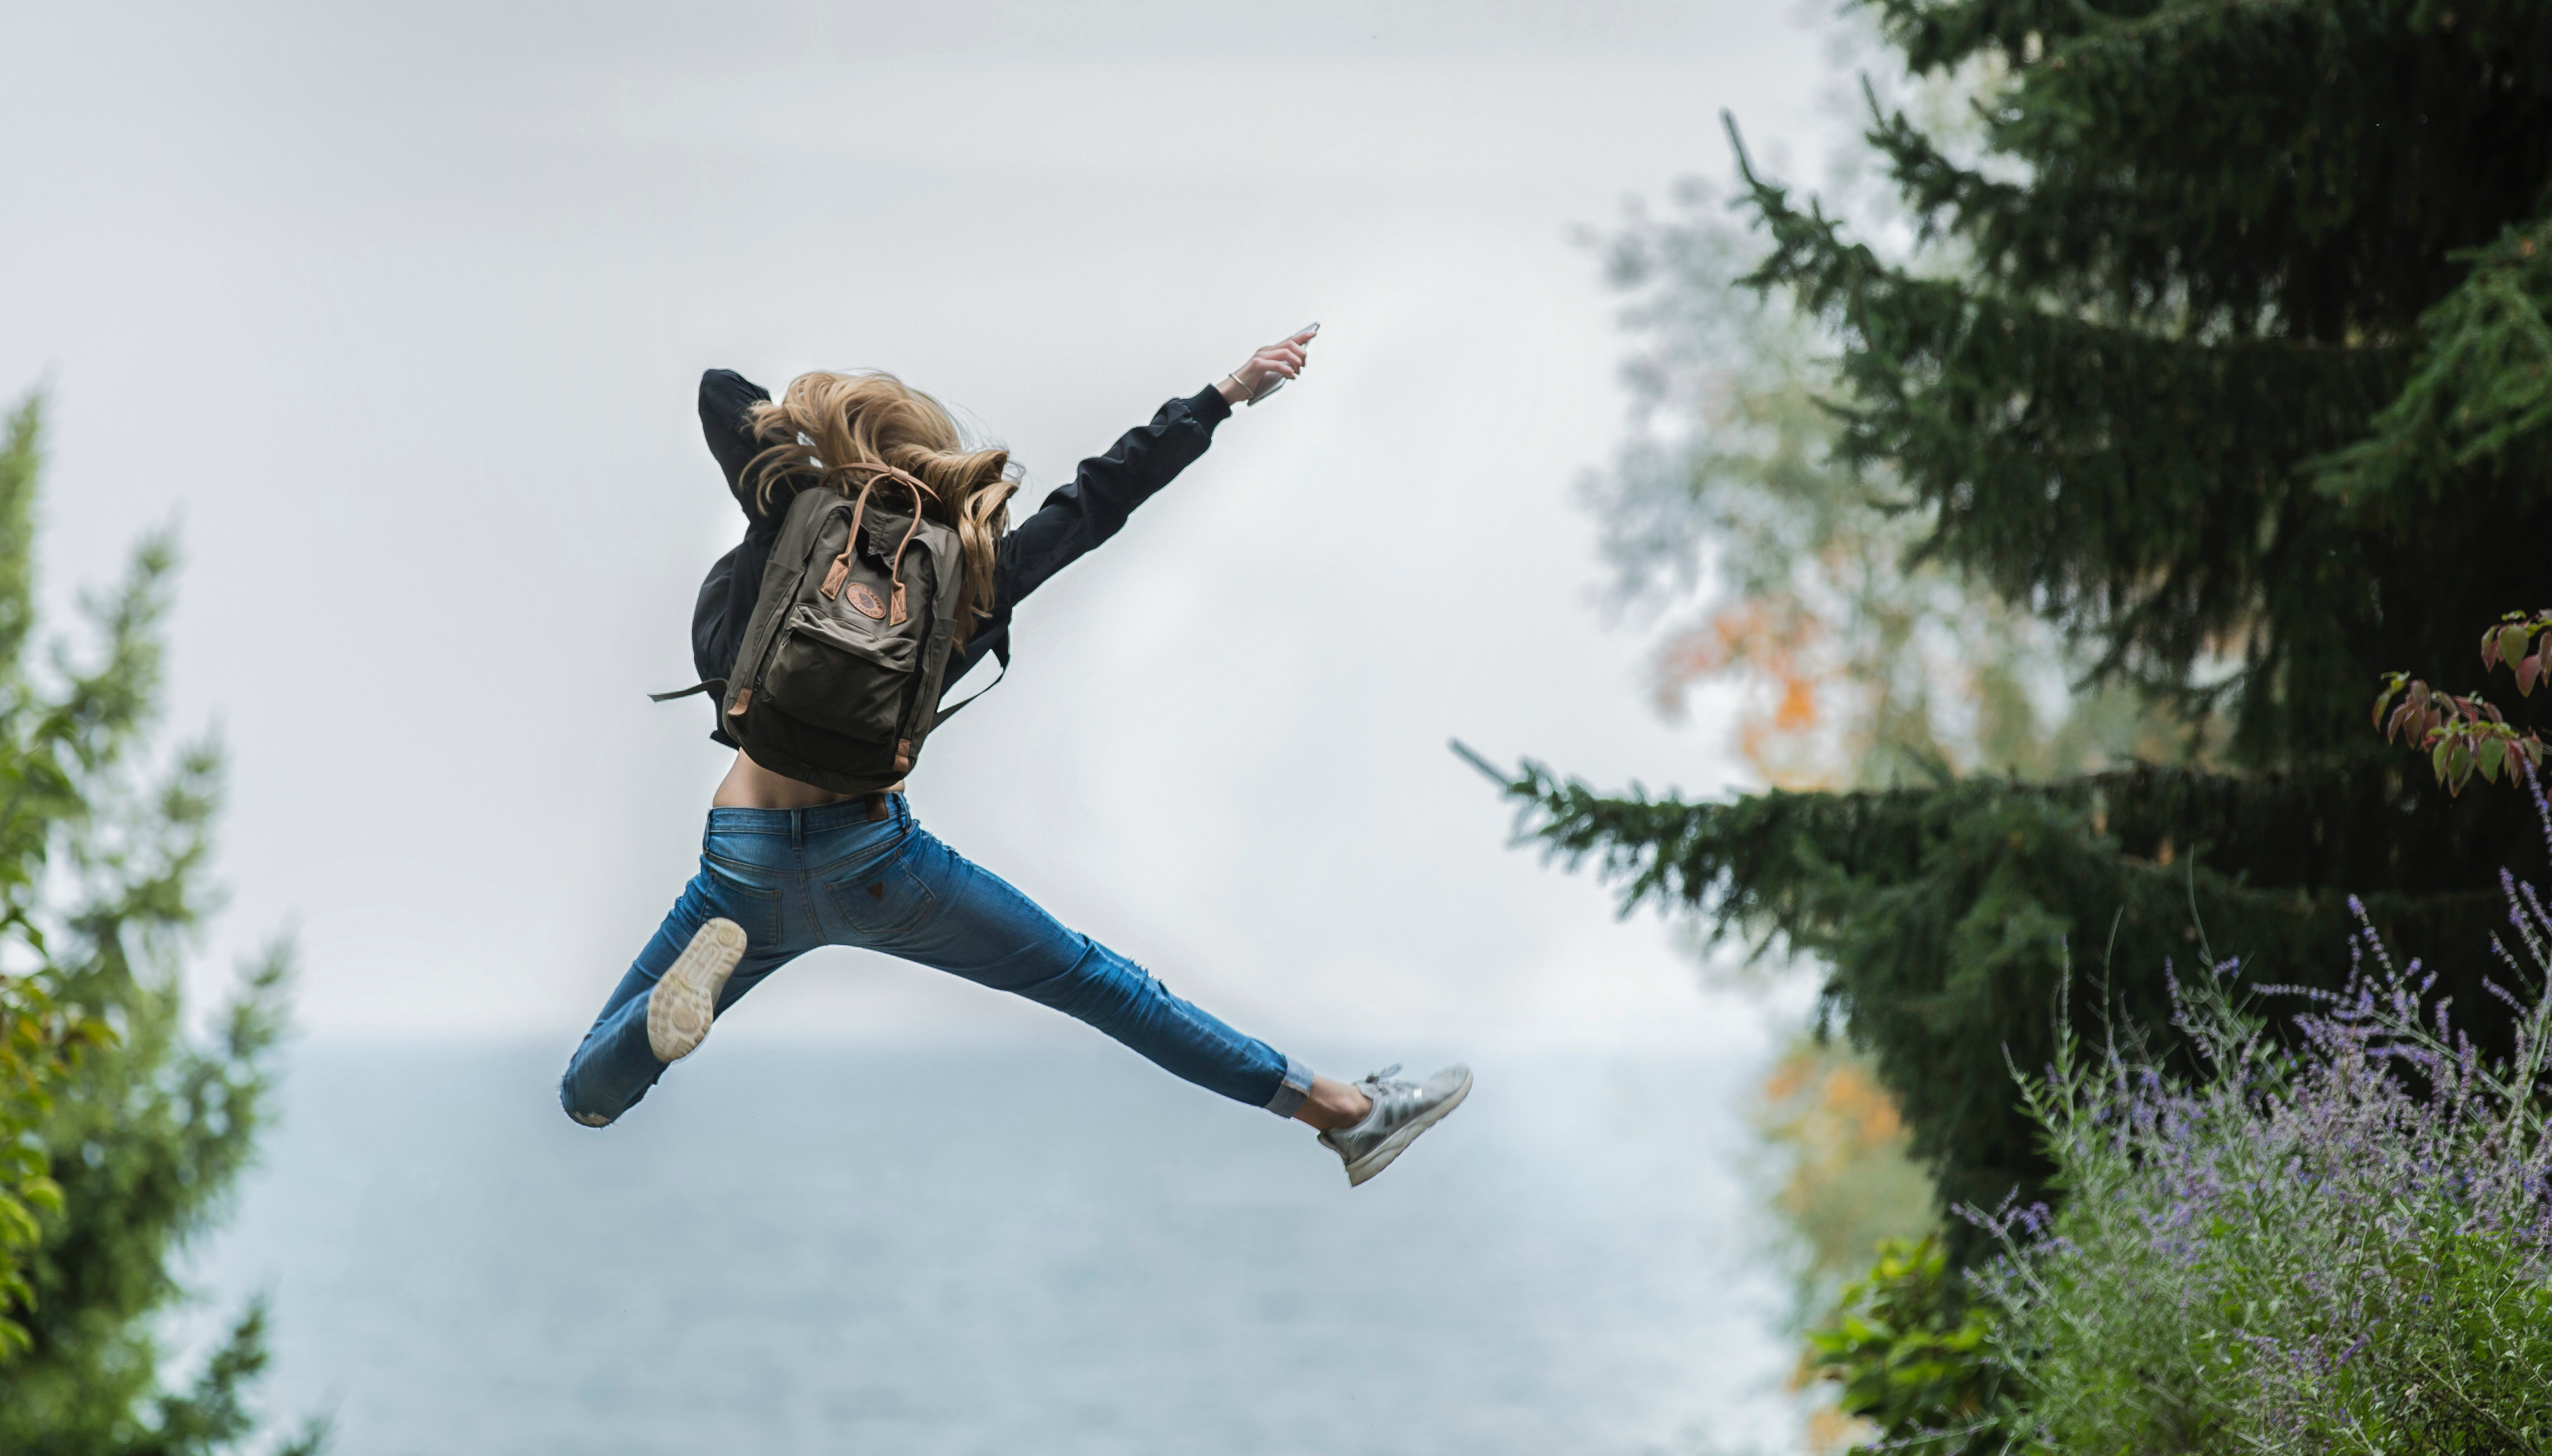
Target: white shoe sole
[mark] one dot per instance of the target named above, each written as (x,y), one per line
(684,1000)
(1392,1146)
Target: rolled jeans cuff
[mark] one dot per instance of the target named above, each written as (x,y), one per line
(1291,1091)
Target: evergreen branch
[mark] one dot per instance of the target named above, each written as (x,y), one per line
(1931,183)
(2241,164)
(2136,486)
(2033,435)
(1939,37)
(1945,911)
(2479,392)
(20,461)
(2130,40)
(106,707)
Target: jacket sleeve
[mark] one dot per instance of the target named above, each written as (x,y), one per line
(1094,504)
(1087,510)
(724,397)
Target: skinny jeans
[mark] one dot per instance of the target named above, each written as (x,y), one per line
(798,879)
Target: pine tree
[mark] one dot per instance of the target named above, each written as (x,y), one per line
(1778,567)
(39,1039)
(138,1139)
(2224,353)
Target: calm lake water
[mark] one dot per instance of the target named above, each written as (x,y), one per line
(1050,1248)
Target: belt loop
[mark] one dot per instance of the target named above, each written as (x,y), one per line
(796,829)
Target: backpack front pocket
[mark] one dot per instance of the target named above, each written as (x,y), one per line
(835,676)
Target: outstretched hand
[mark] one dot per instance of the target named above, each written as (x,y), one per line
(1267,370)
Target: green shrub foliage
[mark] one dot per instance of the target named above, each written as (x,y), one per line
(136,1142)
(2341,1247)
(39,1038)
(2223,351)
(39,1044)
(2335,1242)
(1915,1357)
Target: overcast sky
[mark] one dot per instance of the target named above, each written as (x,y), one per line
(400,313)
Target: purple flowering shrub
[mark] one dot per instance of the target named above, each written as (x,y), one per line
(2339,1245)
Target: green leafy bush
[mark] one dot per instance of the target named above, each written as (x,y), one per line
(38,1042)
(1914,1357)
(2341,1247)
(2334,1241)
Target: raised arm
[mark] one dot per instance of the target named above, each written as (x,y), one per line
(724,397)
(1095,503)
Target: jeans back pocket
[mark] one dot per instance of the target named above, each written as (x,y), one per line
(749,906)
(884,903)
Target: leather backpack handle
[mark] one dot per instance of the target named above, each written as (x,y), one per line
(841,567)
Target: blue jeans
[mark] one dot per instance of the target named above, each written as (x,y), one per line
(798,879)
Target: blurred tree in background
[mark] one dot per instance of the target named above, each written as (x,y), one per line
(38,1042)
(128,1149)
(38,1038)
(1775,567)
(1778,566)
(2212,372)
(1849,1180)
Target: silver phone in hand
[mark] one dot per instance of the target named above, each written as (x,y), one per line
(1305,333)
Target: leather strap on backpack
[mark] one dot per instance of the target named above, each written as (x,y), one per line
(841,567)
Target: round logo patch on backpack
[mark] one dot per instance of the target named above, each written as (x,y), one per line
(865,602)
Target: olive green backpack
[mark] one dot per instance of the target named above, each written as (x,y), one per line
(838,681)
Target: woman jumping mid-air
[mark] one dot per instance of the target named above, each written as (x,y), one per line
(786,866)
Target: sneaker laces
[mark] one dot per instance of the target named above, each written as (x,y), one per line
(1383,1092)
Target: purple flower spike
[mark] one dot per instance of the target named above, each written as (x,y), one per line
(2342,1243)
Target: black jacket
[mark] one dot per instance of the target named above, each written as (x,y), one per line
(1077,516)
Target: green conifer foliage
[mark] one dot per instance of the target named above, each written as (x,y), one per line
(102,856)
(1858,668)
(38,1037)
(2224,352)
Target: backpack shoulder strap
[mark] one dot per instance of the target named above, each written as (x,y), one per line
(787,566)
(1000,654)
(947,573)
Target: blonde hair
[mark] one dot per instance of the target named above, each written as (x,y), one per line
(829,426)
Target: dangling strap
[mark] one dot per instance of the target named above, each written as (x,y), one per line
(1001,651)
(716,687)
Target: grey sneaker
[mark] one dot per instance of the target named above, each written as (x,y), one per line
(1401,1111)
(684,1000)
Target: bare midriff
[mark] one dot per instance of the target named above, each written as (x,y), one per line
(749,785)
